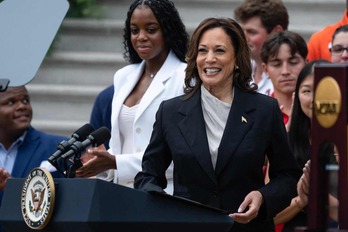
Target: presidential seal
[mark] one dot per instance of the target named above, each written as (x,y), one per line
(37,198)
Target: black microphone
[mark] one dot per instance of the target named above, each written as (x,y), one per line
(95,139)
(79,135)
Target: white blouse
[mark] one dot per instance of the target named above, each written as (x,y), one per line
(215,113)
(126,121)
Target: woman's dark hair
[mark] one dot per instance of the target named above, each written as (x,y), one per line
(242,73)
(174,31)
(343,29)
(300,127)
(272,45)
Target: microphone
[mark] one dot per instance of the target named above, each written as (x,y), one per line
(79,135)
(95,139)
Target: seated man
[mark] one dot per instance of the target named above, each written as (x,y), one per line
(22,148)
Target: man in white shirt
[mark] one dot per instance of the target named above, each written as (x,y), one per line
(260,18)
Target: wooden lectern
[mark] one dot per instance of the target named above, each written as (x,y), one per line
(329,124)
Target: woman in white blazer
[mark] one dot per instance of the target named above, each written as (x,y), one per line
(155,41)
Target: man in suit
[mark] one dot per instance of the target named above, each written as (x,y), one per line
(22,147)
(101,111)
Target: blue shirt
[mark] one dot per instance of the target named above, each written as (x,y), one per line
(8,157)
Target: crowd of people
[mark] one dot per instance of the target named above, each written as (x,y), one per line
(221,117)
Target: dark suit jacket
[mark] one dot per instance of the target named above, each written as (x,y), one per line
(101,112)
(36,147)
(179,135)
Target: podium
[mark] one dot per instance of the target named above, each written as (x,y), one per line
(96,205)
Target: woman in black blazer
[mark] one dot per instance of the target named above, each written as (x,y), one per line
(219,133)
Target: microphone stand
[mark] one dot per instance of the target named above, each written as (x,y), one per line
(71,165)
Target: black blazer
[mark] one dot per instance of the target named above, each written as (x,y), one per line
(179,135)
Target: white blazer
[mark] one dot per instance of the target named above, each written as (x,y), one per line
(168,83)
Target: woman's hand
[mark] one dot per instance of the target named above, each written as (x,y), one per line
(303,186)
(89,153)
(249,208)
(95,161)
(4,175)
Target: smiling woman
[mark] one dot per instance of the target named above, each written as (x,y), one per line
(295,214)
(216,63)
(155,42)
(236,121)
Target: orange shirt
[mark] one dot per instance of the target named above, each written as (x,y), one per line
(318,44)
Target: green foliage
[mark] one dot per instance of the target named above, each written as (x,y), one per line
(84,8)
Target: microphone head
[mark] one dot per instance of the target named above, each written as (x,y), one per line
(82,133)
(99,136)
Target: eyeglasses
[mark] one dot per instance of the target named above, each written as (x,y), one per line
(337,50)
